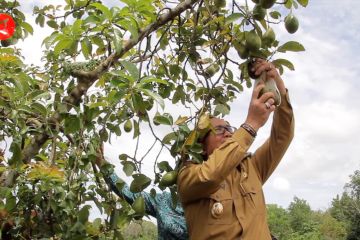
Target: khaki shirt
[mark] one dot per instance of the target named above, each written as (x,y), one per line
(234,178)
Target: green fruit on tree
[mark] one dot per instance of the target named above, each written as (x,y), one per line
(103,135)
(220,3)
(128,126)
(241,49)
(291,23)
(268,37)
(252,41)
(267,3)
(168,179)
(139,205)
(270,86)
(211,70)
(259,12)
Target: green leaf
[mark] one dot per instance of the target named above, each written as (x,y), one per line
(123,157)
(72,124)
(97,104)
(86,47)
(174,197)
(164,166)
(291,46)
(275,14)
(64,43)
(233,17)
(40,19)
(288,4)
(303,3)
(103,9)
(154,96)
(117,40)
(10,203)
(52,24)
(27,27)
(76,27)
(136,129)
(284,62)
(165,119)
(169,137)
(139,183)
(131,25)
(138,103)
(39,108)
(221,109)
(179,95)
(83,214)
(128,167)
(175,71)
(191,139)
(131,69)
(44,95)
(15,148)
(153,80)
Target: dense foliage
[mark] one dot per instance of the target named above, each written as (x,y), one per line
(111,69)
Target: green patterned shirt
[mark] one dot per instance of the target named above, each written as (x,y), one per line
(170,222)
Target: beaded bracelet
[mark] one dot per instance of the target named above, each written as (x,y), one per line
(249,129)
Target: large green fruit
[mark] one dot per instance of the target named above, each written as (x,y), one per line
(291,23)
(128,126)
(270,86)
(139,205)
(259,12)
(267,3)
(241,49)
(168,179)
(268,37)
(252,41)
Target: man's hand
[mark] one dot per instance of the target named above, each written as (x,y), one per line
(260,107)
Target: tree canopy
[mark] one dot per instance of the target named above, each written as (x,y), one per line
(110,68)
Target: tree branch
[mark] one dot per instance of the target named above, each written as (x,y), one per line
(86,79)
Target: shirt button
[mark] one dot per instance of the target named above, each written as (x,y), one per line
(245,175)
(217,210)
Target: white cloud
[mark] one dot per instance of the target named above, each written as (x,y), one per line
(281,184)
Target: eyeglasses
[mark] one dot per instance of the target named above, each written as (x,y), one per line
(219,130)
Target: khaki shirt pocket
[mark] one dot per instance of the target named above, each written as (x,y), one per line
(254,194)
(220,199)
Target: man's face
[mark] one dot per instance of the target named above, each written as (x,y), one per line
(214,140)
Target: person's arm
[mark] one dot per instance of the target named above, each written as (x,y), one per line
(204,179)
(122,189)
(267,157)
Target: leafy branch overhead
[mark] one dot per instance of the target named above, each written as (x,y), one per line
(111,69)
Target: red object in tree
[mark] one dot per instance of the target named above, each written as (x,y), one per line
(7,26)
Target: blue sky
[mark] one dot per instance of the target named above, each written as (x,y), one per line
(324,94)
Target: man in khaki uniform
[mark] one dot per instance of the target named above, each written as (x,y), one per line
(223,196)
